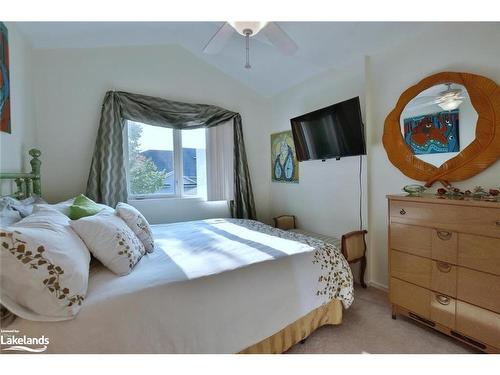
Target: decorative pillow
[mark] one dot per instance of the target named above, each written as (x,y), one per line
(83,206)
(110,240)
(44,267)
(64,206)
(138,223)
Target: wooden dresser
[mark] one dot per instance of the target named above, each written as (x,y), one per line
(444,266)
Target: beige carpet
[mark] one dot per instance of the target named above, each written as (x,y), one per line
(367,327)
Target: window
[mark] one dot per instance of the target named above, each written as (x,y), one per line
(165,162)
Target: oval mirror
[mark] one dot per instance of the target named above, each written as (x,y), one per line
(445,128)
(439,123)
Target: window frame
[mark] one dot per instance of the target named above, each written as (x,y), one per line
(178,169)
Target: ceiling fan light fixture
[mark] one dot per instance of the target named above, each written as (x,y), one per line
(273,33)
(450,104)
(242,27)
(450,92)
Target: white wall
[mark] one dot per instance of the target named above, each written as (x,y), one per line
(14,147)
(326,199)
(472,48)
(70,87)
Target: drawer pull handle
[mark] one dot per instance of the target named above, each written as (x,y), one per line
(443,300)
(497,222)
(443,267)
(402,212)
(468,339)
(444,235)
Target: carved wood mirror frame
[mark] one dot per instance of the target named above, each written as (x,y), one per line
(479,155)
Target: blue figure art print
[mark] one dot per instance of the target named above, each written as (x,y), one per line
(433,133)
(284,164)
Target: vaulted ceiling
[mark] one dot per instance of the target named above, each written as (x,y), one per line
(322,45)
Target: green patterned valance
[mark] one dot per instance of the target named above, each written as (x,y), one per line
(107,182)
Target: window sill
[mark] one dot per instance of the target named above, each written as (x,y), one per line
(166,198)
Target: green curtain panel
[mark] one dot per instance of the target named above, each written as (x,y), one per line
(107,182)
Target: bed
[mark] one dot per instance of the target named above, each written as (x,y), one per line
(210,286)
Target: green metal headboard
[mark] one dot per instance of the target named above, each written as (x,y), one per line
(28,184)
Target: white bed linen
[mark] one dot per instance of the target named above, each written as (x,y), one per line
(213,286)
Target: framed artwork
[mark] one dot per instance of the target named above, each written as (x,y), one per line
(4,80)
(432,133)
(284,164)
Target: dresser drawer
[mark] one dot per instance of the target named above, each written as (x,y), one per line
(411,297)
(480,253)
(478,323)
(459,218)
(411,239)
(443,309)
(444,278)
(479,288)
(444,245)
(411,268)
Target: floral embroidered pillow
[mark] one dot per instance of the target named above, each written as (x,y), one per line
(138,223)
(110,240)
(44,267)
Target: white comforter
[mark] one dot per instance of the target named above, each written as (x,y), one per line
(213,286)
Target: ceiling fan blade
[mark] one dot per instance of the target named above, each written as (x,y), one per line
(419,106)
(421,100)
(219,39)
(452,97)
(279,38)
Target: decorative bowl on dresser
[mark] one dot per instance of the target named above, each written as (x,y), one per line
(444,266)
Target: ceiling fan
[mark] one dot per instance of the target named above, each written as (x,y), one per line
(271,30)
(448,100)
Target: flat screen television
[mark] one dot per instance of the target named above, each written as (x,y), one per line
(332,132)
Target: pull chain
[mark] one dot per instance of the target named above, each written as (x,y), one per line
(247,43)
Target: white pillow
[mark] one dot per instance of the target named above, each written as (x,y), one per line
(138,223)
(44,267)
(110,240)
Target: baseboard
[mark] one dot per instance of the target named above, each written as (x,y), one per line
(379,286)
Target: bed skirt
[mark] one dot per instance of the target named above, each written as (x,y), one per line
(280,342)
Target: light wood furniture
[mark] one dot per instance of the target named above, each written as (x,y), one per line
(354,250)
(444,266)
(479,155)
(353,244)
(285,222)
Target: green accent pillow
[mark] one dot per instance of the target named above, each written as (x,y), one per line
(83,206)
